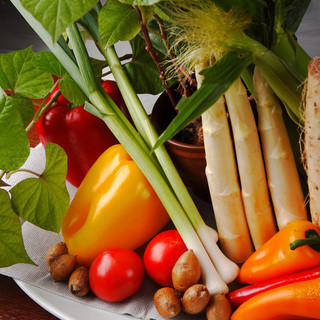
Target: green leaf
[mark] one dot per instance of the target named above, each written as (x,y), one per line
(142,71)
(24,106)
(247,78)
(162,14)
(119,21)
(140,2)
(249,5)
(18,74)
(71,91)
(97,67)
(12,249)
(292,53)
(156,41)
(47,62)
(289,13)
(217,80)
(14,142)
(44,201)
(261,27)
(56,15)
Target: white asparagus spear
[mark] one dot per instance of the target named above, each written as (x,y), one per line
(221,172)
(222,176)
(282,174)
(312,137)
(250,164)
(223,183)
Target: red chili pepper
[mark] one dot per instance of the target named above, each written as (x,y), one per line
(83,136)
(239,296)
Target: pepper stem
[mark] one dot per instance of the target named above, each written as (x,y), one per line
(312,238)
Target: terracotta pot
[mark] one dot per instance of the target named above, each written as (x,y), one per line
(189,159)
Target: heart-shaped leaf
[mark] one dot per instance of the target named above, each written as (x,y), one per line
(47,62)
(56,15)
(119,21)
(71,91)
(43,201)
(12,249)
(14,142)
(142,71)
(18,74)
(24,106)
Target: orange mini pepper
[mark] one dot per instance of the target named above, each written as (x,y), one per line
(291,249)
(114,207)
(300,300)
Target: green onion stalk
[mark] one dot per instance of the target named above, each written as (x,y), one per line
(208,236)
(173,194)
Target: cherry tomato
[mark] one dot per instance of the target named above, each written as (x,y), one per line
(161,255)
(116,274)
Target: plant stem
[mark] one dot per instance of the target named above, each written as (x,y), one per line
(154,55)
(163,36)
(90,80)
(44,106)
(9,174)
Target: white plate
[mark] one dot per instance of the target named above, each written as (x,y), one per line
(66,309)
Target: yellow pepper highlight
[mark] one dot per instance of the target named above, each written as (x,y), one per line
(114,207)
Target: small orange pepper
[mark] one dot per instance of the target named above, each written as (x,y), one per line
(300,300)
(114,207)
(276,258)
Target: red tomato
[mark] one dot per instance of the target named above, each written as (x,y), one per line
(116,274)
(161,255)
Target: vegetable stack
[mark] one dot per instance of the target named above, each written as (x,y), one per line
(242,48)
(248,40)
(70,62)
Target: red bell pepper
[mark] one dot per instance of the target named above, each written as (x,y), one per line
(239,296)
(83,136)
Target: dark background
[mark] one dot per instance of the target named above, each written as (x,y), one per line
(15,33)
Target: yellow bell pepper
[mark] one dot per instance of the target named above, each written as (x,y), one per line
(114,207)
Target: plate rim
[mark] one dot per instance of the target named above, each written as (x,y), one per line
(42,298)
